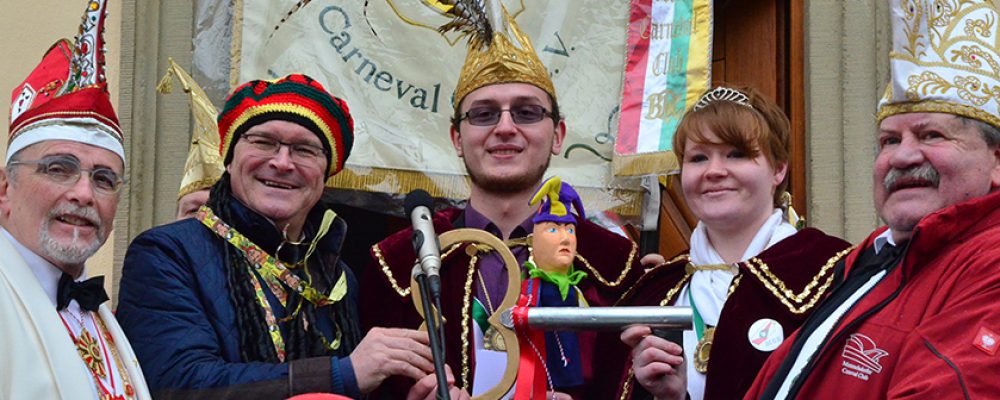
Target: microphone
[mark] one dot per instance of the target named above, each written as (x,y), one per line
(428,249)
(425,242)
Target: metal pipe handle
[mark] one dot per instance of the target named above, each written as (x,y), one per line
(603,318)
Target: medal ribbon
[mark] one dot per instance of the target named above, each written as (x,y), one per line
(119,363)
(87,348)
(531,379)
(699,324)
(480,316)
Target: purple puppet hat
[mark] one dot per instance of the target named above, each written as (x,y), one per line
(558,195)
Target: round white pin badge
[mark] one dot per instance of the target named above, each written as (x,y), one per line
(766,334)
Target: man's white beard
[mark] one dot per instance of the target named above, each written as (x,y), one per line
(75,252)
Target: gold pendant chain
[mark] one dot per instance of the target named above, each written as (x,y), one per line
(119,362)
(486,292)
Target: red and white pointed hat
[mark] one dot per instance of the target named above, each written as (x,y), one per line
(66,96)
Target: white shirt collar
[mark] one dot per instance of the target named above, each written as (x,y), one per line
(883,239)
(47,274)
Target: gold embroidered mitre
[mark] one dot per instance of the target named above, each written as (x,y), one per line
(498,51)
(945,58)
(203,166)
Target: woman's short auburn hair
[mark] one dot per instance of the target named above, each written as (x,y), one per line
(762,129)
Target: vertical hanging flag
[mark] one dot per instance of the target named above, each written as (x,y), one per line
(667,67)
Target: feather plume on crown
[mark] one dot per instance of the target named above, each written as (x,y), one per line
(498,51)
(470,18)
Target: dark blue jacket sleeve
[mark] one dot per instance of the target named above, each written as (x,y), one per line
(344,380)
(175,310)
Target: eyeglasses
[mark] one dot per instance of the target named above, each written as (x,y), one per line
(521,114)
(66,170)
(269,145)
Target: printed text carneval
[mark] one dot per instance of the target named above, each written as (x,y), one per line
(368,70)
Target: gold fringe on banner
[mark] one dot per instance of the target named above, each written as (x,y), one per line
(383,180)
(627,203)
(645,164)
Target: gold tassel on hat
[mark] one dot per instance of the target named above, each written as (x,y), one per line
(790,215)
(204,165)
(498,51)
(166,85)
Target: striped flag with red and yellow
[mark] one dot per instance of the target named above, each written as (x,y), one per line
(667,68)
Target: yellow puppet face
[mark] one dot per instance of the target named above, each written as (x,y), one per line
(554,246)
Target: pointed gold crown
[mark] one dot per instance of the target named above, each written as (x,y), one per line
(204,165)
(498,51)
(945,58)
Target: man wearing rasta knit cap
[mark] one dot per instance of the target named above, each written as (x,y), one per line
(505,128)
(250,297)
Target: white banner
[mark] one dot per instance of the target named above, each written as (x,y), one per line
(398,74)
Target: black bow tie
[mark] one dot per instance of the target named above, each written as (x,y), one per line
(89,293)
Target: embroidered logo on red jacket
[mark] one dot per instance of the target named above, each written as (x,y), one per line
(861,357)
(987,340)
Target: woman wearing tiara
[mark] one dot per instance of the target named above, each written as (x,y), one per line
(750,276)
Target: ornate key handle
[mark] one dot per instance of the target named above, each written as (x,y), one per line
(481,242)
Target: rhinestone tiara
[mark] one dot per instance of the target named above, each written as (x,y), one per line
(723,94)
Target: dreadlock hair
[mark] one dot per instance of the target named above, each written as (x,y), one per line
(255,340)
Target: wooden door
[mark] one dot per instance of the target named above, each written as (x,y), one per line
(757,43)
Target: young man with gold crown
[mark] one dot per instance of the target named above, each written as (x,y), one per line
(506,127)
(915,313)
(58,195)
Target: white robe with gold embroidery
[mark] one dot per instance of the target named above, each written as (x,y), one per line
(38,359)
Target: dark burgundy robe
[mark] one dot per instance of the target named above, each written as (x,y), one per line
(807,256)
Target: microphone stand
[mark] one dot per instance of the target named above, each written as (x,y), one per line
(434,330)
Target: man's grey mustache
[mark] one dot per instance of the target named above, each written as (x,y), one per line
(75,252)
(88,213)
(924,172)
